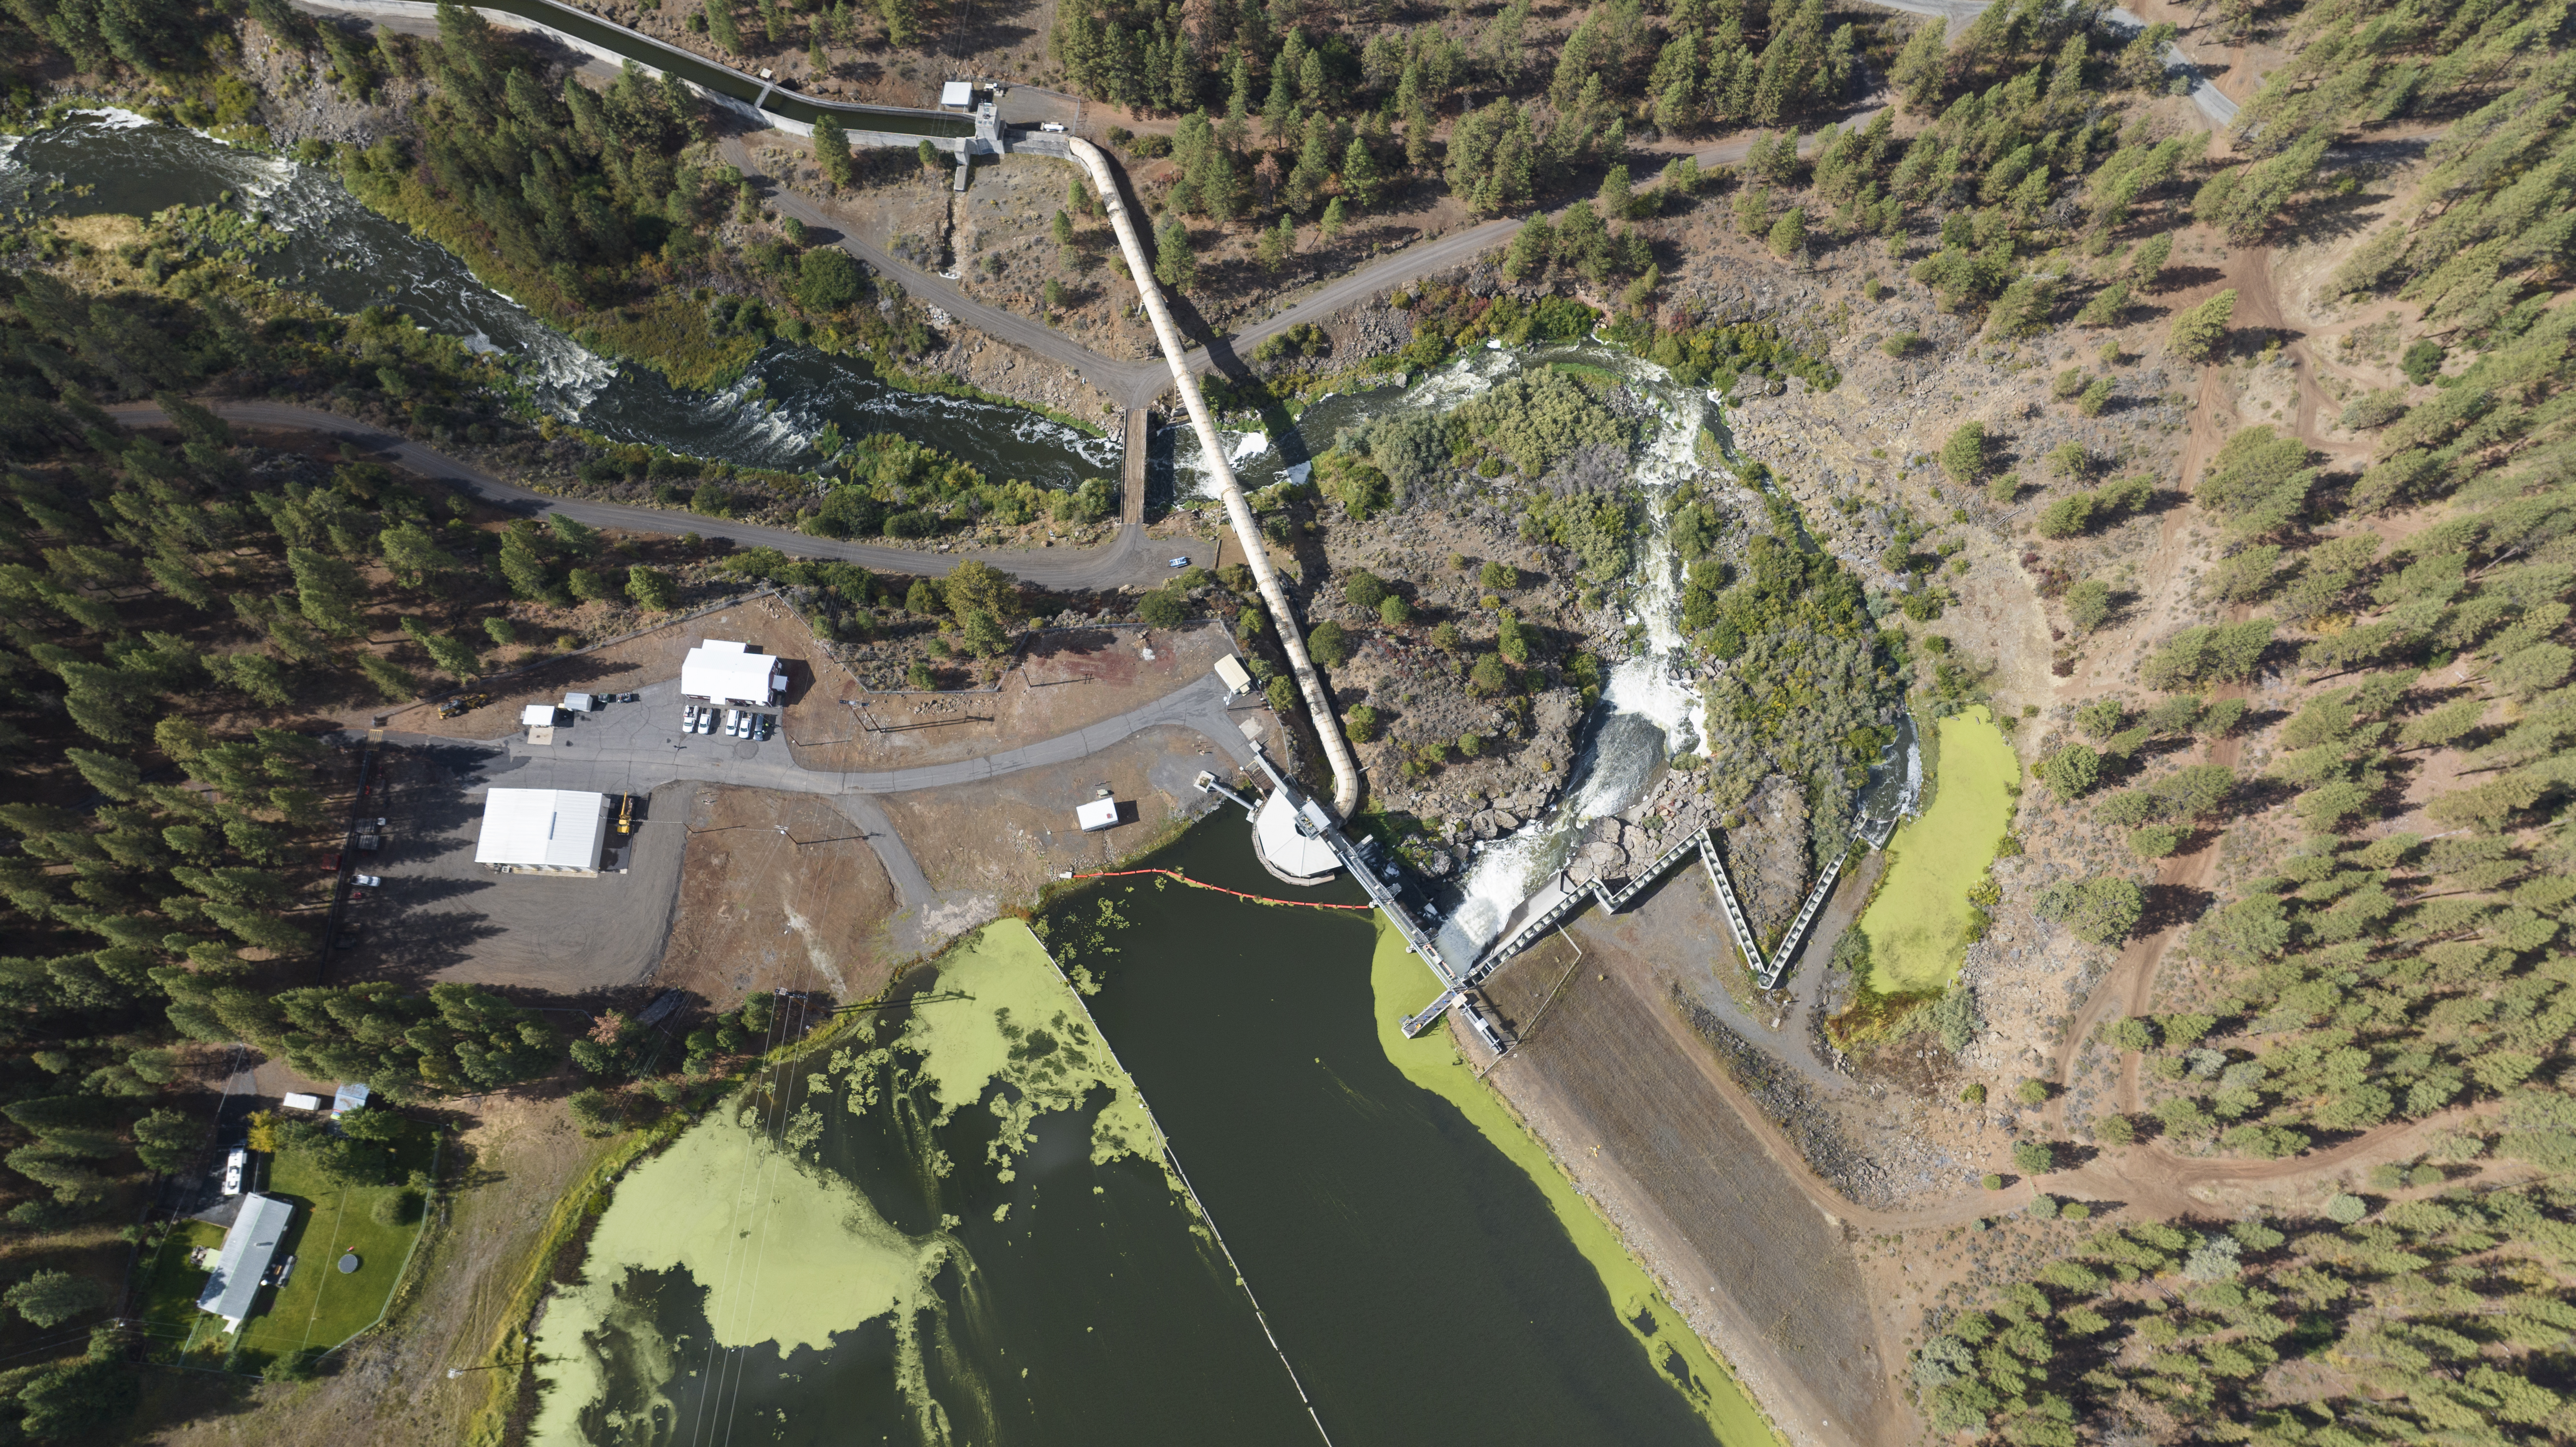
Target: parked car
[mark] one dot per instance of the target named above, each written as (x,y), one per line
(234,1165)
(368,881)
(1054,126)
(331,862)
(626,698)
(763,725)
(733,723)
(688,718)
(1178,563)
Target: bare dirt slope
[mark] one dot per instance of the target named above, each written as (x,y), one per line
(778,891)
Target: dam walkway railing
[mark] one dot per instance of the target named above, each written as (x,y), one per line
(1767,972)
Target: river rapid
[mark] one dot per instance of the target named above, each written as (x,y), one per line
(960,1223)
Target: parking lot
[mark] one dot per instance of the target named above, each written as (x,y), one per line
(441,916)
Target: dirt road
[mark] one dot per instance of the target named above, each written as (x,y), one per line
(1122,560)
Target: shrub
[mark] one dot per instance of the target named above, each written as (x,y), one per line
(2422,362)
(1393,611)
(2043,1207)
(1963,456)
(1163,608)
(2068,384)
(2114,1130)
(1489,677)
(2345,1209)
(1363,588)
(1363,723)
(397,1208)
(2096,399)
(1903,344)
(1991,1181)
(597,1111)
(2372,409)
(2198,333)
(2033,1158)
(2075,1211)
(1973,1094)
(2088,605)
(2101,910)
(2071,772)
(2031,1092)
(1330,644)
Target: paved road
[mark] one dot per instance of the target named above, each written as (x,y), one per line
(1124,559)
(637,748)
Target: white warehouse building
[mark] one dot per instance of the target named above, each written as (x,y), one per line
(722,672)
(548,831)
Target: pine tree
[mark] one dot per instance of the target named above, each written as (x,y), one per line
(1361,179)
(1279,116)
(772,23)
(1175,265)
(1278,243)
(2198,333)
(326,591)
(1330,228)
(832,150)
(902,21)
(721,28)
(451,657)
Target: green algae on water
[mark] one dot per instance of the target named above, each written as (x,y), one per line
(788,1252)
(1398,985)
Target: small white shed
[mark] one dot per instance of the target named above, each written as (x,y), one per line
(958,93)
(297,1100)
(538,716)
(1097,815)
(580,702)
(1230,669)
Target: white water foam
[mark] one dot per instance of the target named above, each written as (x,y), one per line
(1653,708)
(115,118)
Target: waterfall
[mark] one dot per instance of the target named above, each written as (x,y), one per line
(1649,709)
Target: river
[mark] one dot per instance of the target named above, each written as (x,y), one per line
(955,1233)
(347,257)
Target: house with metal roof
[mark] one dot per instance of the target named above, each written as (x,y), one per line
(250,1247)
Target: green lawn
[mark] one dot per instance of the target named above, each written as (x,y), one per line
(1918,924)
(318,1307)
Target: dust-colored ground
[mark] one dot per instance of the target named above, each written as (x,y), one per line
(1001,839)
(761,909)
(622,667)
(515,1155)
(1633,1106)
(1067,679)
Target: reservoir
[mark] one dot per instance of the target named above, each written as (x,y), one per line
(1417,1278)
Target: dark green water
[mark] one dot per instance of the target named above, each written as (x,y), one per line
(1416,1277)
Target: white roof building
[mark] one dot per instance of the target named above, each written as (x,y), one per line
(957,93)
(1290,850)
(556,831)
(299,1100)
(538,715)
(249,1247)
(1230,669)
(1097,814)
(352,1095)
(724,672)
